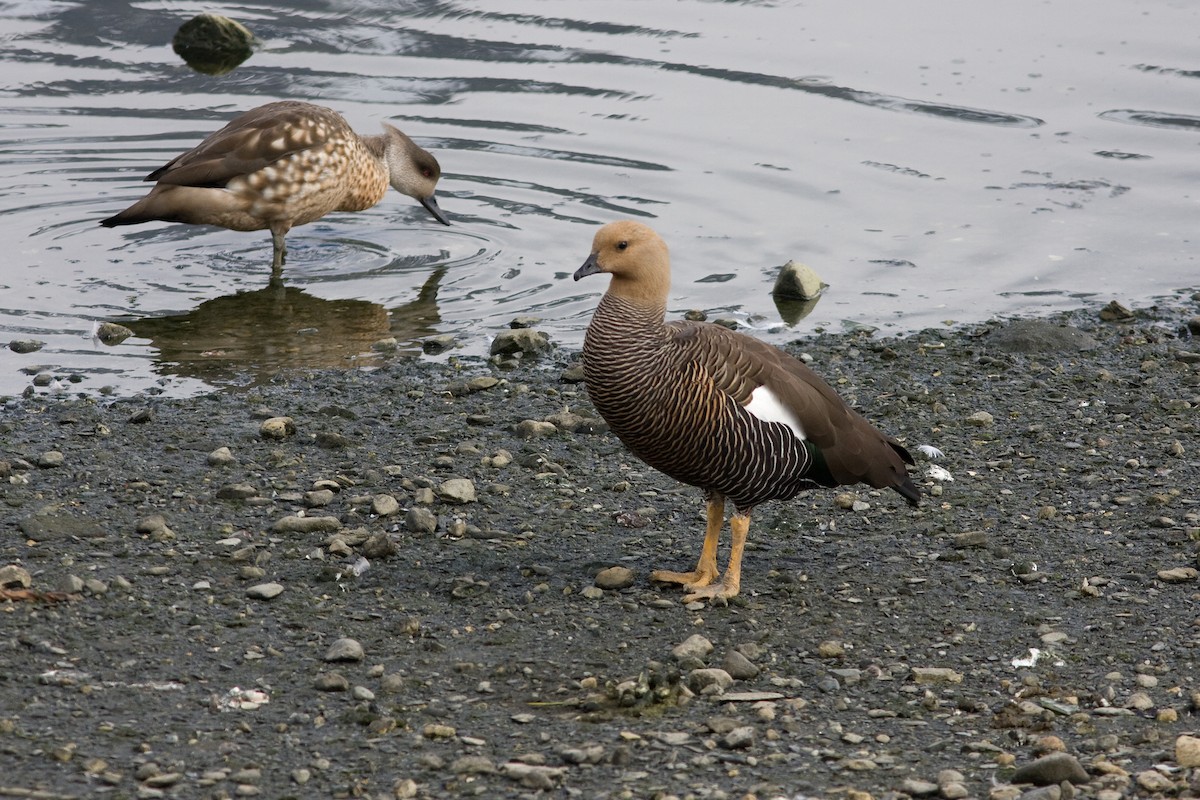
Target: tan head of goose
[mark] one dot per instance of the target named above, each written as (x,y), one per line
(281,165)
(717,409)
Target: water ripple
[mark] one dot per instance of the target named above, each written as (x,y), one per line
(1152,119)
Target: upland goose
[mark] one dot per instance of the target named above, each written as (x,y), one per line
(281,165)
(717,409)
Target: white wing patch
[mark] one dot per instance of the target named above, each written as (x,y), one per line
(765,405)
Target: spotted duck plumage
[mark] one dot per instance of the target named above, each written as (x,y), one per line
(281,165)
(717,409)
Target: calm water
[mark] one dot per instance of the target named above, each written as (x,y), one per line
(933,160)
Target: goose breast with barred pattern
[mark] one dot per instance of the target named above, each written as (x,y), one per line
(717,409)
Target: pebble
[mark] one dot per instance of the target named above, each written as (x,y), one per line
(933,675)
(694,647)
(519,340)
(1154,781)
(377,546)
(739,738)
(436,730)
(110,333)
(298,524)
(533,776)
(345,649)
(420,520)
(14,576)
(798,281)
(614,578)
(1051,769)
(1178,574)
(277,428)
(318,498)
(236,491)
(534,429)
(738,666)
(439,344)
(709,680)
(331,682)
(457,490)
(221,457)
(26,345)
(980,419)
(918,788)
(384,505)
(830,649)
(1187,751)
(50,459)
(264,591)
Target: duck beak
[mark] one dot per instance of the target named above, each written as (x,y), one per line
(590,267)
(431,205)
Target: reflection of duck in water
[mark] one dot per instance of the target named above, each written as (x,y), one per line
(281,165)
(256,334)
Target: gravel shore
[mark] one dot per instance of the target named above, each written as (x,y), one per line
(431,580)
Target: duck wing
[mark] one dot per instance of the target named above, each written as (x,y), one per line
(250,142)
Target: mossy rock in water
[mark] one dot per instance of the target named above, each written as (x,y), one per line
(213,44)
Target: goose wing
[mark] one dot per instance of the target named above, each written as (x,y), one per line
(775,387)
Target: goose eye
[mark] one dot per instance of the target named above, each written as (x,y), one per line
(622,245)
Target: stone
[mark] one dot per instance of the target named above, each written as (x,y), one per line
(14,576)
(830,649)
(798,281)
(345,649)
(933,675)
(439,344)
(739,738)
(236,491)
(520,340)
(378,546)
(277,428)
(331,682)
(472,765)
(694,647)
(50,524)
(981,419)
(1154,781)
(457,490)
(264,591)
(50,459)
(221,457)
(614,578)
(110,333)
(420,520)
(212,43)
(534,429)
(916,787)
(26,345)
(1178,574)
(738,666)
(533,776)
(384,505)
(1052,769)
(298,524)
(709,680)
(1187,751)
(318,498)
(1039,336)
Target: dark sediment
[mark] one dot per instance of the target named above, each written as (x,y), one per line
(408,580)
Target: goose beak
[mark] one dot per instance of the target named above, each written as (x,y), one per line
(431,205)
(590,267)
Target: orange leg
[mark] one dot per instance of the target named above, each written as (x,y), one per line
(706,569)
(731,581)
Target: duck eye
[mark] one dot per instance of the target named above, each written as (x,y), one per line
(622,245)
